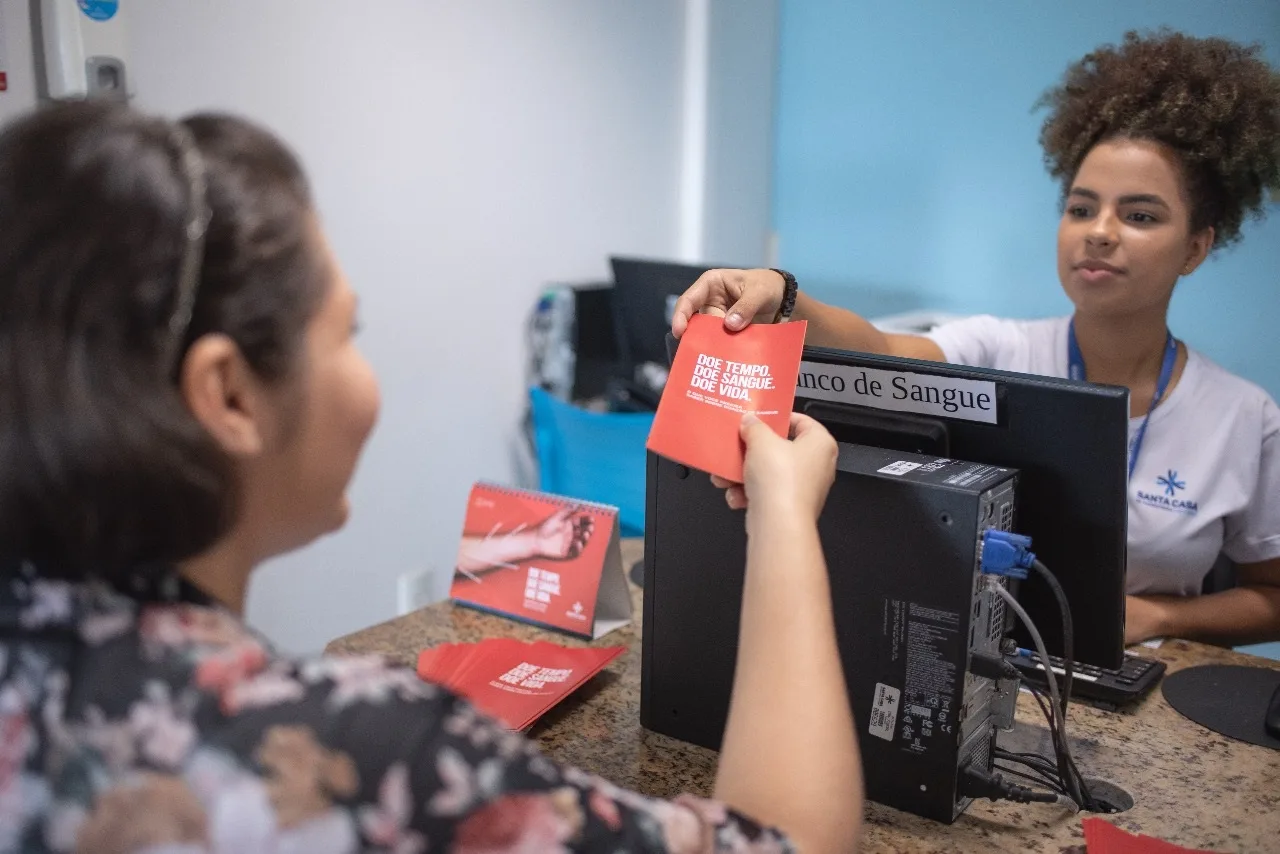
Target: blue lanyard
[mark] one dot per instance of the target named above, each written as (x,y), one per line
(1075,370)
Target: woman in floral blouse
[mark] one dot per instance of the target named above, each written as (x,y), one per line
(181,398)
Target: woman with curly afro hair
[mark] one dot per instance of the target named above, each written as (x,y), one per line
(1164,145)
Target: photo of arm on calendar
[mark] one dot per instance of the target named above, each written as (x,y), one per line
(560,537)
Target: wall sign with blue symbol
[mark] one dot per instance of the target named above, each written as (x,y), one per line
(99,10)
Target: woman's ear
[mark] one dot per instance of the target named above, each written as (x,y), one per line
(224,395)
(1198,249)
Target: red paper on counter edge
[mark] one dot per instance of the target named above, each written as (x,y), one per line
(594,659)
(1103,837)
(452,665)
(607,654)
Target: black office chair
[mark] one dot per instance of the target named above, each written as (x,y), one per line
(1221,577)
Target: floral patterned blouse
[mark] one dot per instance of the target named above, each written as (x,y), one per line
(157,722)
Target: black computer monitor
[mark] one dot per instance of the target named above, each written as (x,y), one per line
(1067,439)
(641,291)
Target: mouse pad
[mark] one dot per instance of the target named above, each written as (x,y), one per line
(1229,699)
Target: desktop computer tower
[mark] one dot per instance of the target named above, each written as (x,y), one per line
(902,537)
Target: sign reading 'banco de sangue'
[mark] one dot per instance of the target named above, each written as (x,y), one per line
(898,391)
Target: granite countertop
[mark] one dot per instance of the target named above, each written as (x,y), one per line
(1191,786)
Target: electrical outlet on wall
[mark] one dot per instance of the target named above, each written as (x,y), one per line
(419,588)
(773,246)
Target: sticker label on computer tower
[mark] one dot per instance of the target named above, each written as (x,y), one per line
(899,468)
(973,473)
(931,675)
(884,712)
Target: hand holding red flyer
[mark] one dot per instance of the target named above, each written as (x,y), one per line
(716,377)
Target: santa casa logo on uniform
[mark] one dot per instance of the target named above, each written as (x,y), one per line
(1166,497)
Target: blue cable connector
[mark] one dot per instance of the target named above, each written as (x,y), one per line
(1007,554)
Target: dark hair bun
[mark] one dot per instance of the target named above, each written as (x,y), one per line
(1214,102)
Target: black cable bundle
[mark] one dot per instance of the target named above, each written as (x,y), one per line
(1060,774)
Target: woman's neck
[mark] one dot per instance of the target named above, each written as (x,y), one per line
(222,572)
(1126,351)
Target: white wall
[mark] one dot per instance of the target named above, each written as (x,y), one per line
(730,59)
(463,154)
(16,50)
(743,47)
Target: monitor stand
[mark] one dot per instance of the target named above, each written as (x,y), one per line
(636,573)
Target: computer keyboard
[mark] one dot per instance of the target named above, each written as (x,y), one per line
(1133,680)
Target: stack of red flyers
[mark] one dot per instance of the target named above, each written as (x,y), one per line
(515,682)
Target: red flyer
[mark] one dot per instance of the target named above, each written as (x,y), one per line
(515,682)
(1103,837)
(542,559)
(716,377)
